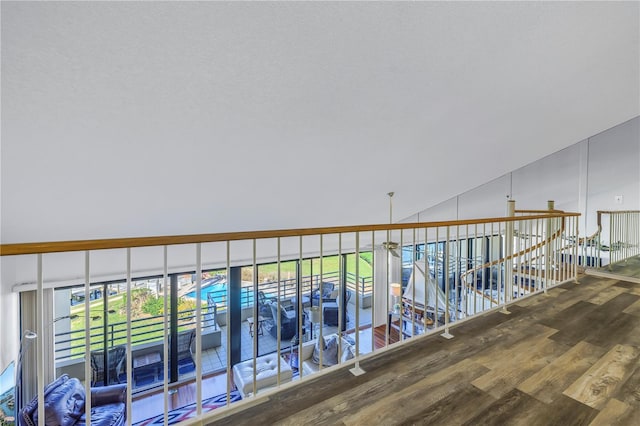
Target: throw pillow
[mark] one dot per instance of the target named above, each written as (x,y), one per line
(329,348)
(348,352)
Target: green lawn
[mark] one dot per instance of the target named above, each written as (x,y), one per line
(145,328)
(329,264)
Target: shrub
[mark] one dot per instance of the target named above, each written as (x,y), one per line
(186,305)
(153,306)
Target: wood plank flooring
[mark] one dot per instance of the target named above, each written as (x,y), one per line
(571,357)
(628,269)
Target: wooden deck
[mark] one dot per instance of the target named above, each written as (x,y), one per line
(571,357)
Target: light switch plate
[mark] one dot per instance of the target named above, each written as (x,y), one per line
(618,199)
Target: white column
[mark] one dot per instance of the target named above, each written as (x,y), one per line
(382,276)
(47,338)
(547,248)
(508,252)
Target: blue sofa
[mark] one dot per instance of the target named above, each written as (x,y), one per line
(65,404)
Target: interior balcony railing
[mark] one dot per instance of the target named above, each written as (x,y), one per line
(618,236)
(455,270)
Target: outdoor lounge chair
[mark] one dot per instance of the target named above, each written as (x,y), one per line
(117,356)
(330,310)
(324,292)
(288,322)
(186,339)
(264,305)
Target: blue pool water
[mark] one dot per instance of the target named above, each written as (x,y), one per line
(219,293)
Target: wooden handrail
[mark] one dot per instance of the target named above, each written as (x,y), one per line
(117,243)
(618,211)
(539,211)
(541,244)
(583,240)
(554,236)
(601,212)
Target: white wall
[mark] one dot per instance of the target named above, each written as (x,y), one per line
(9,331)
(613,169)
(555,177)
(584,178)
(482,202)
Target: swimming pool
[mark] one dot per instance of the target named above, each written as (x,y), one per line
(218,291)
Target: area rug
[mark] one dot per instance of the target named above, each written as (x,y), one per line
(188,411)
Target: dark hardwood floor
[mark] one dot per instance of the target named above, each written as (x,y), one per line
(571,357)
(629,268)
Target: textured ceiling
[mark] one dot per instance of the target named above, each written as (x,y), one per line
(156,118)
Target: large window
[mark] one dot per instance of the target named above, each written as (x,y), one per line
(305,281)
(108,327)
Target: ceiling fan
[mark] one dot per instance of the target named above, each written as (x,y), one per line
(391,246)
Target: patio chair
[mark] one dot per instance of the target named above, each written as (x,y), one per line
(330,310)
(117,356)
(264,305)
(186,339)
(288,322)
(324,292)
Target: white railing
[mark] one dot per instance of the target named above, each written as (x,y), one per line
(456,270)
(619,235)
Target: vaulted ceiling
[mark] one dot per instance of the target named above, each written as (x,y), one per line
(159,118)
